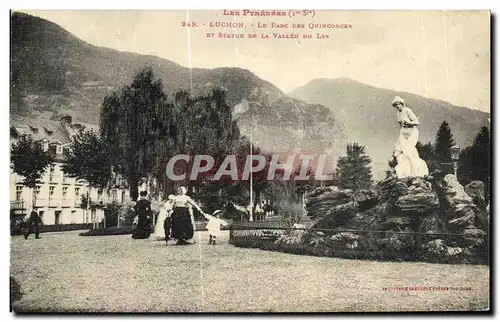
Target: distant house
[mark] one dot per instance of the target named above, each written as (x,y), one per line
(58,197)
(93,84)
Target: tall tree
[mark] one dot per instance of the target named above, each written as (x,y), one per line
(199,125)
(444,142)
(29,160)
(131,122)
(474,162)
(354,169)
(426,153)
(88,159)
(287,202)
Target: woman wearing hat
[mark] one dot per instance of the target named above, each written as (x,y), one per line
(409,162)
(183,225)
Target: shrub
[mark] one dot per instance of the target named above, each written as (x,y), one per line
(108,231)
(368,249)
(127,214)
(111,214)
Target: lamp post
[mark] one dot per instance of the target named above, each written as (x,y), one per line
(455,154)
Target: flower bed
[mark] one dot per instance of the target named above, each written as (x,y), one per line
(367,250)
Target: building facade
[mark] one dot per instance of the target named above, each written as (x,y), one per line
(58,198)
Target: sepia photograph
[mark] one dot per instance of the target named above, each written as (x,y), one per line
(250,161)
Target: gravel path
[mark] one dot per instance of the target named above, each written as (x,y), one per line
(66,272)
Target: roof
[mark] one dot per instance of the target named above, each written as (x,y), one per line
(40,129)
(75,127)
(53,131)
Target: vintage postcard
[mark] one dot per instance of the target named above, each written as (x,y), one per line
(250,161)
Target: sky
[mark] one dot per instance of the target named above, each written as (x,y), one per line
(436,54)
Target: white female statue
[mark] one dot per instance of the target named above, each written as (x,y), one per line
(405,151)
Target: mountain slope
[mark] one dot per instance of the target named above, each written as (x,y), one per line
(52,70)
(370,119)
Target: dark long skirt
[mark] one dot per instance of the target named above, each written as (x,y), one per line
(143,230)
(182,226)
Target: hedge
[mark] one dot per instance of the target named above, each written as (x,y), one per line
(360,254)
(112,231)
(19,230)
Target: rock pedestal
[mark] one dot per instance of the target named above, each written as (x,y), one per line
(456,226)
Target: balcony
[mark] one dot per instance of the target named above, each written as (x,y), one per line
(54,203)
(99,202)
(18,205)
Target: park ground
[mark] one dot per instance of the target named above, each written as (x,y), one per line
(65,272)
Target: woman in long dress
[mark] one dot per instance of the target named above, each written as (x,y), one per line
(405,151)
(165,212)
(183,226)
(143,211)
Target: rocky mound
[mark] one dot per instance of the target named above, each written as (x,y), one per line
(431,218)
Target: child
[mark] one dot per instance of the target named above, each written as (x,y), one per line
(213,226)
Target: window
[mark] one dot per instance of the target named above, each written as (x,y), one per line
(59,149)
(123,196)
(77,192)
(52,169)
(37,191)
(114,195)
(65,192)
(19,192)
(66,151)
(53,149)
(51,190)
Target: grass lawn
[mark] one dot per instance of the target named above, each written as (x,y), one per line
(66,272)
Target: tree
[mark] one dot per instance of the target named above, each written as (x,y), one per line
(354,169)
(29,160)
(444,142)
(287,201)
(199,125)
(88,159)
(132,121)
(426,153)
(474,162)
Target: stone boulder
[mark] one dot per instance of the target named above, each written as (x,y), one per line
(419,197)
(475,190)
(366,199)
(338,216)
(422,202)
(395,223)
(396,242)
(392,188)
(323,200)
